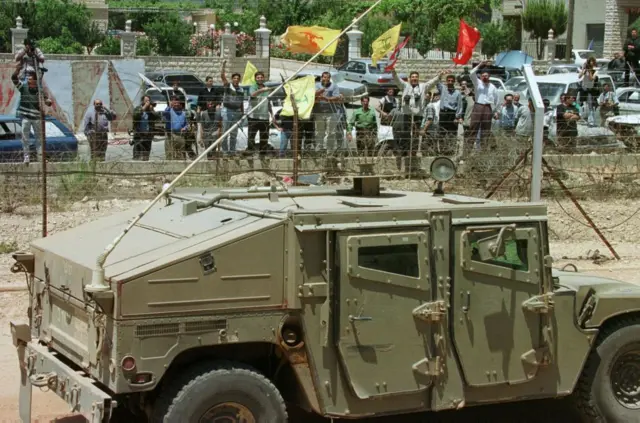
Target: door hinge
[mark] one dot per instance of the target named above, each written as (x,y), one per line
(430,312)
(541,304)
(432,367)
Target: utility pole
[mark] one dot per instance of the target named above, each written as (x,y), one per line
(567,54)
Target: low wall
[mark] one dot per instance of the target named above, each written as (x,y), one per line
(202,66)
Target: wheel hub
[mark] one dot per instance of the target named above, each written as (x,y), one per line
(625,379)
(228,412)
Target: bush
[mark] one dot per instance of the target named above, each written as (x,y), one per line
(110,46)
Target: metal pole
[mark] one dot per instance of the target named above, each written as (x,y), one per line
(97,280)
(43,144)
(538,131)
(296,138)
(570,19)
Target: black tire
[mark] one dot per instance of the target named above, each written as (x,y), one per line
(197,390)
(594,397)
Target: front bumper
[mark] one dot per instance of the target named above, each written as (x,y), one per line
(41,367)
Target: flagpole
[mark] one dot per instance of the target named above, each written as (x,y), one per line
(97,280)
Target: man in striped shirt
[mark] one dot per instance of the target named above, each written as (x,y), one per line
(29,110)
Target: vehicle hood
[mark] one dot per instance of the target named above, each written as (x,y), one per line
(349,85)
(165,235)
(612,297)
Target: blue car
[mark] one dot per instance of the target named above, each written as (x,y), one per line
(61,143)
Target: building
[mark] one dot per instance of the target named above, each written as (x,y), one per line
(604,23)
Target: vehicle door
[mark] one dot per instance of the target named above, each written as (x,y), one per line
(10,141)
(497,274)
(349,71)
(384,279)
(629,102)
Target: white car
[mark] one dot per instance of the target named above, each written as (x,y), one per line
(629,99)
(553,86)
(581,56)
(588,137)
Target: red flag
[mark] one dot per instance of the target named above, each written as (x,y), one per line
(394,55)
(468,38)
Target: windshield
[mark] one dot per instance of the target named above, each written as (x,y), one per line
(337,77)
(156,96)
(513,82)
(551,91)
(585,54)
(378,68)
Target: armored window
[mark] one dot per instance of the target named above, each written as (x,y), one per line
(398,259)
(516,251)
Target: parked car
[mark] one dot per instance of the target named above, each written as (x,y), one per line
(627,130)
(589,138)
(61,143)
(563,68)
(187,80)
(350,90)
(629,99)
(553,86)
(375,79)
(161,98)
(580,57)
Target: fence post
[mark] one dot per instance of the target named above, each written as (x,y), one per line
(355,43)
(18,35)
(263,37)
(227,43)
(550,47)
(128,41)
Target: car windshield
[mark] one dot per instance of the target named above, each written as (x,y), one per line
(551,91)
(337,77)
(585,54)
(156,96)
(378,68)
(513,82)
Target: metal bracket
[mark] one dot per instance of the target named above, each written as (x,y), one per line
(430,312)
(541,304)
(432,367)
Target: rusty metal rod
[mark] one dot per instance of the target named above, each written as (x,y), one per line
(43,145)
(508,173)
(580,209)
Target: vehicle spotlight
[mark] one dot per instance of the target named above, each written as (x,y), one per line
(442,170)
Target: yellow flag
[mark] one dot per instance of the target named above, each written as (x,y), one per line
(249,74)
(310,39)
(384,44)
(304,92)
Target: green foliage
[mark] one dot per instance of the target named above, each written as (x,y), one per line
(542,15)
(171,34)
(447,35)
(92,37)
(145,47)
(161,5)
(63,44)
(372,27)
(634,25)
(497,37)
(110,46)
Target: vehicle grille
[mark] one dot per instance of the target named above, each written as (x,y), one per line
(164,329)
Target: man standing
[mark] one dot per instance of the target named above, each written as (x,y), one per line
(259,118)
(232,109)
(144,121)
(29,110)
(525,122)
(429,127)
(25,57)
(366,124)
(325,113)
(177,126)
(506,115)
(206,95)
(412,103)
(567,116)
(631,54)
(608,102)
(211,120)
(451,111)
(486,101)
(96,129)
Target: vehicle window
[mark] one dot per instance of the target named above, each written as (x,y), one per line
(551,91)
(512,83)
(378,68)
(188,79)
(52,130)
(351,67)
(605,80)
(156,96)
(634,97)
(5,133)
(515,251)
(585,54)
(496,84)
(361,67)
(623,97)
(398,259)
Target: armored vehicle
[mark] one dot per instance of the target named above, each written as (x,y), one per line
(231,304)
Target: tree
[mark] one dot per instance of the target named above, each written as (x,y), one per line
(540,16)
(62,44)
(110,46)
(497,37)
(171,34)
(92,36)
(447,35)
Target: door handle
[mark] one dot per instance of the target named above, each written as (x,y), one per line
(467,306)
(359,318)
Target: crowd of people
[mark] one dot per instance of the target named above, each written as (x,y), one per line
(425,118)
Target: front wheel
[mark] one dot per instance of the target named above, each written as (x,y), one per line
(609,388)
(219,392)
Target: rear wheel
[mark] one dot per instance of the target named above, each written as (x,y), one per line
(609,388)
(219,392)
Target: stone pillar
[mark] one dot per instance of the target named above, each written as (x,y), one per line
(263,36)
(18,35)
(227,43)
(127,41)
(355,43)
(550,47)
(615,28)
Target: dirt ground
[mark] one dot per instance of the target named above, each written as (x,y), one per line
(571,241)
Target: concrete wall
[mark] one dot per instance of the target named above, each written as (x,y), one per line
(587,12)
(201,66)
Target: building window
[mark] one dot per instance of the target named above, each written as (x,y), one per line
(398,259)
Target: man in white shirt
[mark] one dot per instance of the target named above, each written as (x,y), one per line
(486,101)
(412,104)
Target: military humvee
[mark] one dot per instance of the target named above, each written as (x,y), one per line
(349,302)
